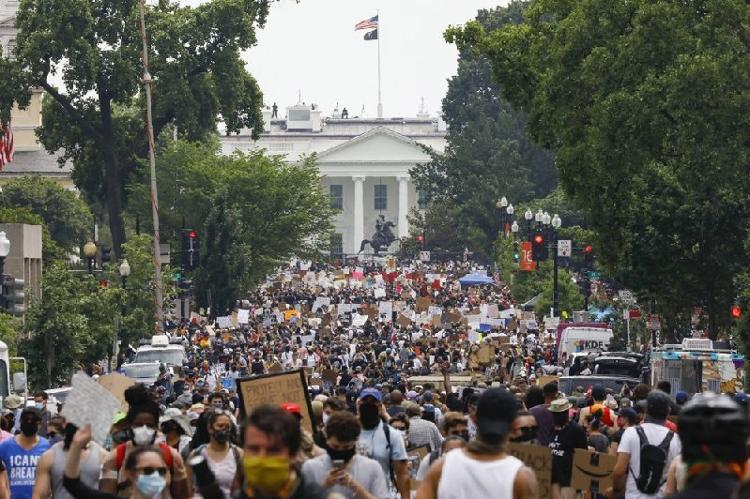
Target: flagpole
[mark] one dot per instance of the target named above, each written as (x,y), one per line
(380,100)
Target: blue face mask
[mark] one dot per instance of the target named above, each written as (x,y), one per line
(151,485)
(39,405)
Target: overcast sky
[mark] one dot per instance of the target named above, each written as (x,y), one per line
(312,47)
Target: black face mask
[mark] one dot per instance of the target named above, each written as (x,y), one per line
(527,435)
(369,415)
(29,428)
(341,455)
(221,436)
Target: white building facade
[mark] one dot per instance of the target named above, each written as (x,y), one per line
(364,165)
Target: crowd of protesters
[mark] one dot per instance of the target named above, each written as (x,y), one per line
(187,435)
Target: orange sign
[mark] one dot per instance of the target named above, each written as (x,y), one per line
(527,263)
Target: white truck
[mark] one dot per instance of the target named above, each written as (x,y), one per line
(582,339)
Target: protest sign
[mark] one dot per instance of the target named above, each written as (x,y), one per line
(243,316)
(224,322)
(117,383)
(454,316)
(276,389)
(90,403)
(422,304)
(385,308)
(379,293)
(539,459)
(321,302)
(485,354)
(592,470)
(437,320)
(547,378)
(403,320)
(415,457)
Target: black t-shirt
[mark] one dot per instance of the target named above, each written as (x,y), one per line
(257,367)
(563,445)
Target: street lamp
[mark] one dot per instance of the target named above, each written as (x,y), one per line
(556,222)
(124,272)
(546,219)
(4,250)
(539,216)
(528,216)
(514,227)
(503,202)
(89,251)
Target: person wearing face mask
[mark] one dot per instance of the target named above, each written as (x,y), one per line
(341,470)
(380,442)
(223,457)
(142,419)
(144,467)
(40,402)
(49,472)
(21,454)
(176,429)
(525,429)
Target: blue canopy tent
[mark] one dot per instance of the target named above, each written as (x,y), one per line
(475,280)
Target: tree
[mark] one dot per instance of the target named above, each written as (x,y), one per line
(252,212)
(488,154)
(442,232)
(66,217)
(96,120)
(644,104)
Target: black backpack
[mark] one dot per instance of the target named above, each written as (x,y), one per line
(653,462)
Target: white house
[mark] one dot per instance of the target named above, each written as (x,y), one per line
(364,164)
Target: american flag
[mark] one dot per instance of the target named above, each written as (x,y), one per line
(371,23)
(6,146)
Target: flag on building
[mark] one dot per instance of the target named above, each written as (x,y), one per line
(372,35)
(7,147)
(371,23)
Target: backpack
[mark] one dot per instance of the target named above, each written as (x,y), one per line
(653,462)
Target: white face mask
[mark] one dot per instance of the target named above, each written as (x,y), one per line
(143,435)
(326,417)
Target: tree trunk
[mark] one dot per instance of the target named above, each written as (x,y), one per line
(112,178)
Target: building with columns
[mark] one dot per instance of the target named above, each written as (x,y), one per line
(364,164)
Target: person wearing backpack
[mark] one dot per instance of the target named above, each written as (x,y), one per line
(224,459)
(645,453)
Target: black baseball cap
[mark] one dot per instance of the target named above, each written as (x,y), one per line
(33,411)
(496,411)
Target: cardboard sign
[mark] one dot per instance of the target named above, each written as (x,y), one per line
(403,321)
(592,470)
(547,378)
(423,304)
(276,389)
(116,384)
(454,316)
(329,375)
(415,457)
(539,459)
(485,354)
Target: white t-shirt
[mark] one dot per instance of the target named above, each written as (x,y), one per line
(631,444)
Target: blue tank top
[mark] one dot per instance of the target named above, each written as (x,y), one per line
(21,465)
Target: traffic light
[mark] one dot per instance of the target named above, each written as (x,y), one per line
(420,240)
(191,250)
(538,247)
(106,255)
(516,252)
(588,255)
(736,312)
(14,298)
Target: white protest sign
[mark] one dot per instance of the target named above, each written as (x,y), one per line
(386,308)
(90,403)
(224,322)
(321,301)
(243,316)
(380,293)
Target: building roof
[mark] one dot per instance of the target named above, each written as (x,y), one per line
(37,162)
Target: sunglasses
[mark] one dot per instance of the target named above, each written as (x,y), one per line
(529,429)
(149,470)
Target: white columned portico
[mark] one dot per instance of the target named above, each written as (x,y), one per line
(403,205)
(359,212)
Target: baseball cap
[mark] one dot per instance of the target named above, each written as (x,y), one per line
(657,402)
(629,414)
(427,396)
(371,392)
(496,411)
(292,408)
(681,397)
(559,405)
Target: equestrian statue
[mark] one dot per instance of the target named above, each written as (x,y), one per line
(382,238)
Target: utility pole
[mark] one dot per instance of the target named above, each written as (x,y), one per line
(152,160)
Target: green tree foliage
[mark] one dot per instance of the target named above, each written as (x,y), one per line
(66,217)
(438,223)
(645,104)
(73,324)
(252,212)
(96,119)
(137,308)
(488,154)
